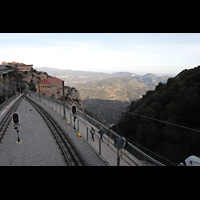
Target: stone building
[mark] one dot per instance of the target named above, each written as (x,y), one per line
(51,87)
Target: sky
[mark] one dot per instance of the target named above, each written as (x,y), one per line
(162,53)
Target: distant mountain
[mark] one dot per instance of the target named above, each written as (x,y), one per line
(151,79)
(60,72)
(123,74)
(177,102)
(74,76)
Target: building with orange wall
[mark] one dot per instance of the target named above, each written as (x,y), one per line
(51,87)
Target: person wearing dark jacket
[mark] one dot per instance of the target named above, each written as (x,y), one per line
(92,131)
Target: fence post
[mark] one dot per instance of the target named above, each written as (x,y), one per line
(118,158)
(100,145)
(109,137)
(70,119)
(143,160)
(87,133)
(78,123)
(63,89)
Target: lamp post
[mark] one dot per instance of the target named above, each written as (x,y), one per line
(63,99)
(39,90)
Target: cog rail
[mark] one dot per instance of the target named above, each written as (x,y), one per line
(72,156)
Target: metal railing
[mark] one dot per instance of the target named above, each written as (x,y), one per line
(130,156)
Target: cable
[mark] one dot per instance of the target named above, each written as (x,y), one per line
(165,122)
(148,150)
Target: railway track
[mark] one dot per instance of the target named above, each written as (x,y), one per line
(7,118)
(72,156)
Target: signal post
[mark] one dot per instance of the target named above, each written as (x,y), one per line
(16,123)
(74,113)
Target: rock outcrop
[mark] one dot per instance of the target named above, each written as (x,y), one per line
(72,96)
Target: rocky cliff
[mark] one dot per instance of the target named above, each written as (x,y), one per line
(72,96)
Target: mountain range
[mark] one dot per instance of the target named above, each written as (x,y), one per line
(72,77)
(107,95)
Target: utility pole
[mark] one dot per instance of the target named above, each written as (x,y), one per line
(15,89)
(39,90)
(6,86)
(19,87)
(63,89)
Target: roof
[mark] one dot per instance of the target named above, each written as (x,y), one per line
(5,68)
(50,80)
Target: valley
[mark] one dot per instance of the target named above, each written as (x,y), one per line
(107,95)
(108,110)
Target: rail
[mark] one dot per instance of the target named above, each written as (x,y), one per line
(72,156)
(132,155)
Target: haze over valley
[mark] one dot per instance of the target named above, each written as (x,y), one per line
(107,95)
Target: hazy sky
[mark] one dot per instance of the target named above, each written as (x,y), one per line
(105,52)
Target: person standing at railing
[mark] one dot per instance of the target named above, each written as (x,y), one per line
(101,133)
(92,131)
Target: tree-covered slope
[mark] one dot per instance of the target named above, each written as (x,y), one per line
(178,102)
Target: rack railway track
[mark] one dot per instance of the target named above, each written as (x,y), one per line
(7,118)
(72,156)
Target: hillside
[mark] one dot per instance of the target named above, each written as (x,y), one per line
(176,102)
(109,97)
(121,89)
